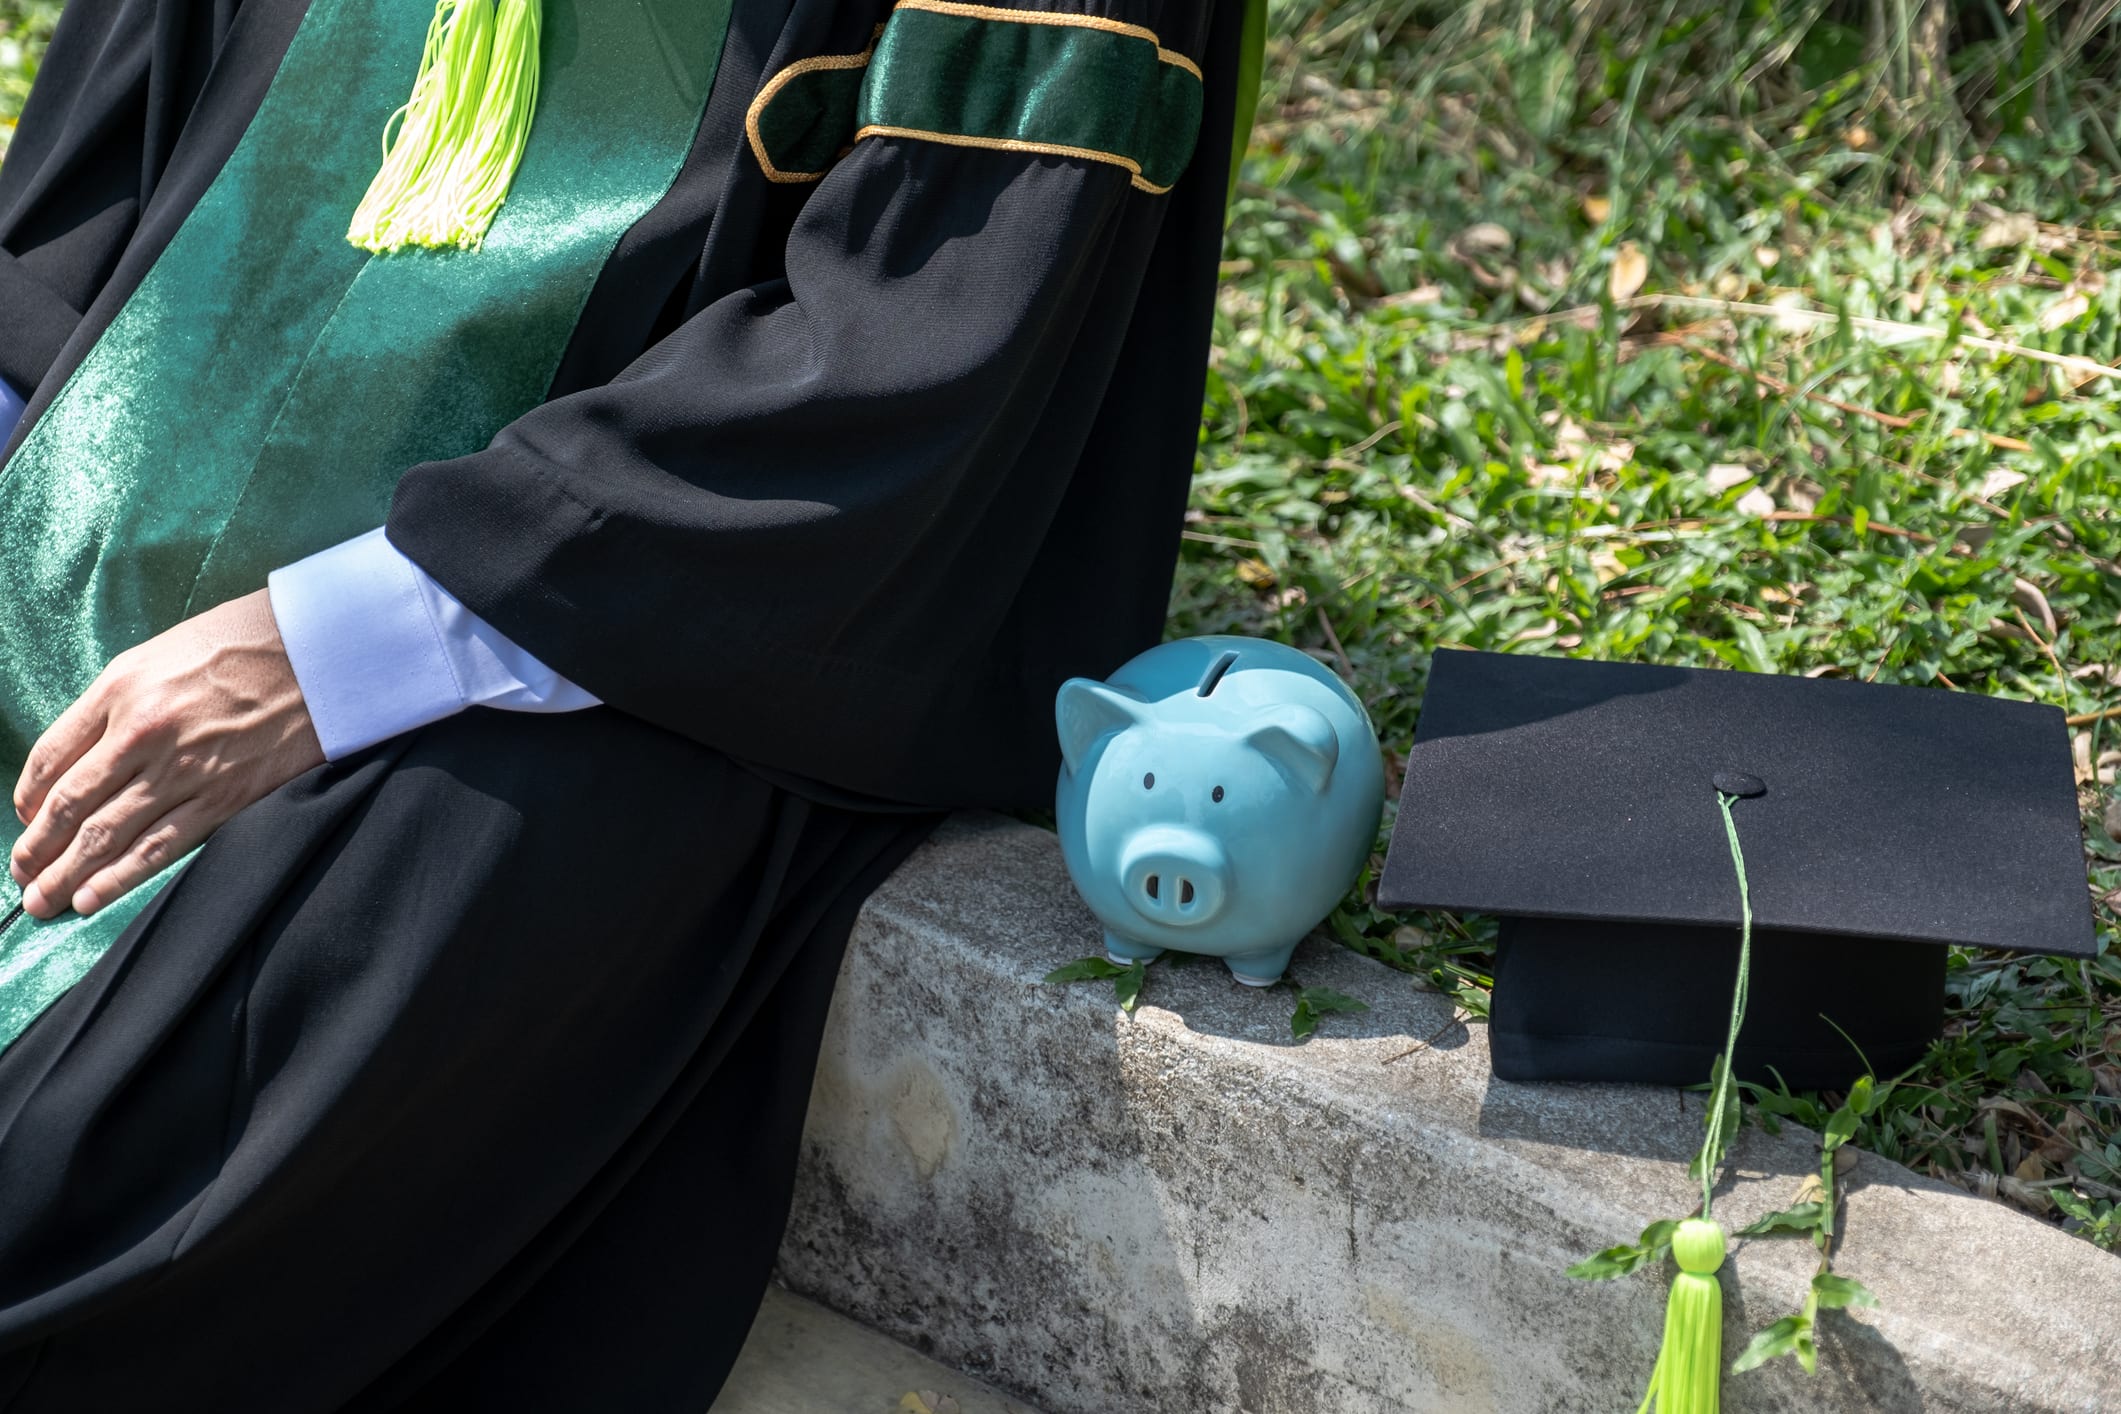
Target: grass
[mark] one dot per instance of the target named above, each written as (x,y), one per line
(25,25)
(1711,332)
(1699,333)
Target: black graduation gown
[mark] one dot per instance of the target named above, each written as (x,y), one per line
(469,1072)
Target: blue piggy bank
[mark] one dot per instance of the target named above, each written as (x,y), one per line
(1217,795)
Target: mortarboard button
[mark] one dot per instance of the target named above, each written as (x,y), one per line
(1738,783)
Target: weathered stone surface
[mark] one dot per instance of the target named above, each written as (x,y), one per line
(1187,1212)
(804,1359)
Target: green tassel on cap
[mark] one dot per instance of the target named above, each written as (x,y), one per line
(451,152)
(1689,1366)
(1689,1369)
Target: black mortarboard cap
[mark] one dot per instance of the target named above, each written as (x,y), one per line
(1578,801)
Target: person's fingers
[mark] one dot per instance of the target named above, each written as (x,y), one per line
(101,840)
(154,849)
(70,803)
(64,742)
(206,717)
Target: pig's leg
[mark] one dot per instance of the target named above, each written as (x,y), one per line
(1261,969)
(1127,953)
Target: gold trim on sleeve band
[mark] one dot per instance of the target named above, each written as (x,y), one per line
(780,81)
(1007,144)
(1053,17)
(1172,56)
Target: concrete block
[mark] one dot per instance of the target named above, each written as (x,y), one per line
(1185,1211)
(804,1359)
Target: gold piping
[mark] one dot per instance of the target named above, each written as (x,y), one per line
(1053,17)
(1010,144)
(1172,56)
(781,80)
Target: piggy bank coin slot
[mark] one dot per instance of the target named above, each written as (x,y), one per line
(1216,670)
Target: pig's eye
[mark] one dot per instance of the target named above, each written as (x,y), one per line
(1218,796)
(1149,781)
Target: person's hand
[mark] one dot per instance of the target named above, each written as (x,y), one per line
(173,738)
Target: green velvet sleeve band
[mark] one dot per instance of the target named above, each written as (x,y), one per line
(1033,81)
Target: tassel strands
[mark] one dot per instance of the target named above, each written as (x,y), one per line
(451,153)
(1689,1369)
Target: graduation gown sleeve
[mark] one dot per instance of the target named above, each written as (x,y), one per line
(113,93)
(803,527)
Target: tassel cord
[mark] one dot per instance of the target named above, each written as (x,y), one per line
(1719,1102)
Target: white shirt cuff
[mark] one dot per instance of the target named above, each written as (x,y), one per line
(379,648)
(11,406)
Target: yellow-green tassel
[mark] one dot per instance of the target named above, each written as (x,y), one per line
(1689,1367)
(451,152)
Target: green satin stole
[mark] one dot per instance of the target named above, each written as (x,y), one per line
(258,397)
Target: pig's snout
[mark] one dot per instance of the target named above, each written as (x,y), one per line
(1176,877)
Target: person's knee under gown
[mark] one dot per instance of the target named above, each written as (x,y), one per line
(465,1047)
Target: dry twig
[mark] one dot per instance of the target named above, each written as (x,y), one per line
(1885,419)
(1891,328)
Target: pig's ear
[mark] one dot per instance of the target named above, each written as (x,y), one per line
(1087,711)
(1300,742)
